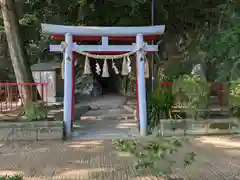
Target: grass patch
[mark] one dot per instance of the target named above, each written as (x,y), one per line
(14,177)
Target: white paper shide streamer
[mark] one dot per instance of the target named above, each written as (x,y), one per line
(98,69)
(129,64)
(114,67)
(105,72)
(124,67)
(146,68)
(87,68)
(62,69)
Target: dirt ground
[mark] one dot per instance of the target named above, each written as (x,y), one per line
(218,158)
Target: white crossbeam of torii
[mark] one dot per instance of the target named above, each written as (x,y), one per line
(140,47)
(104,48)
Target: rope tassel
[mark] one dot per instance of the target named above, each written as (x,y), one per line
(105,72)
(125,69)
(146,68)
(62,69)
(87,68)
(129,64)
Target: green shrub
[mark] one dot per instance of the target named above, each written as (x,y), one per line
(14,177)
(159,106)
(191,92)
(234,97)
(35,111)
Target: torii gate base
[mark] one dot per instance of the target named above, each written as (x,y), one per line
(104,32)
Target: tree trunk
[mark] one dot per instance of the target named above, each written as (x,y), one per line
(17,50)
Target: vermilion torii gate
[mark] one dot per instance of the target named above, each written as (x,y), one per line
(81,33)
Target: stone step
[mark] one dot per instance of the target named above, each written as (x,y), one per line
(213,109)
(114,114)
(131,109)
(123,117)
(219,116)
(131,102)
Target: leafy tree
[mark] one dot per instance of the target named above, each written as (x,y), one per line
(15,45)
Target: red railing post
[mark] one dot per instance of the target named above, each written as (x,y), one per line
(8,93)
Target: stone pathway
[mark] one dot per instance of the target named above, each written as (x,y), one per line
(217,159)
(105,124)
(103,102)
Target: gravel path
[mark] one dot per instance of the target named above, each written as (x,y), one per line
(217,159)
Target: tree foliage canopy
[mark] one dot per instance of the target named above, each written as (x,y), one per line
(199,20)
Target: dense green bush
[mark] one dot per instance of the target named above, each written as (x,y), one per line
(35,111)
(192,93)
(234,97)
(159,106)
